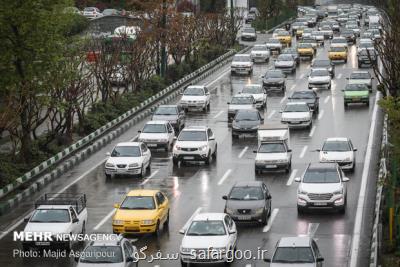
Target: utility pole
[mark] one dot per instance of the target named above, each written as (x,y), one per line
(163,48)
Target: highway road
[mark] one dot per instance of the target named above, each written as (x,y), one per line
(199,188)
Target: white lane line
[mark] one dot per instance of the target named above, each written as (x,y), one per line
(291,178)
(292,87)
(248,265)
(271,220)
(312,131)
(339,76)
(271,114)
(312,229)
(301,76)
(327,99)
(303,152)
(355,245)
(243,151)
(226,174)
(321,114)
(283,99)
(344,66)
(218,114)
(197,211)
(308,67)
(108,216)
(148,178)
(219,77)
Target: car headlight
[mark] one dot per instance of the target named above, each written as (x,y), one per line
(301,192)
(118,222)
(147,222)
(229,211)
(201,101)
(282,160)
(255,127)
(203,148)
(185,250)
(110,165)
(163,140)
(177,147)
(259,210)
(235,125)
(133,165)
(338,192)
(347,159)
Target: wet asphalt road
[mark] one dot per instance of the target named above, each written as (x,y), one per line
(199,188)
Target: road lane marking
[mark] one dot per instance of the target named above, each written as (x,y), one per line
(321,114)
(271,114)
(148,178)
(218,114)
(226,174)
(248,265)
(271,220)
(344,66)
(308,67)
(339,76)
(197,211)
(283,99)
(301,76)
(291,178)
(312,131)
(292,87)
(355,245)
(327,99)
(312,229)
(108,216)
(303,152)
(219,77)
(243,151)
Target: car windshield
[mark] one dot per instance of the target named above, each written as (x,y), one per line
(242,58)
(252,89)
(192,136)
(166,111)
(293,255)
(356,87)
(50,216)
(283,33)
(347,32)
(274,74)
(246,193)
(206,228)
(272,148)
(338,41)
(360,75)
(154,128)
(285,57)
(365,44)
(303,95)
(249,30)
(297,108)
(336,146)
(337,49)
(197,91)
(322,72)
(246,116)
(321,63)
(242,100)
(317,33)
(259,48)
(138,203)
(304,45)
(321,175)
(102,254)
(126,151)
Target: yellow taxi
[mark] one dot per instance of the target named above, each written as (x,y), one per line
(285,38)
(305,50)
(141,211)
(299,32)
(338,53)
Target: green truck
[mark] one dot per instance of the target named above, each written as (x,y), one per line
(356,93)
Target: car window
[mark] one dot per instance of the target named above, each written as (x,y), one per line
(246,193)
(192,136)
(195,91)
(126,151)
(143,147)
(154,128)
(138,203)
(73,214)
(165,111)
(206,228)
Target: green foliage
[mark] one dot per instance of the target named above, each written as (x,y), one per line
(391,106)
(261,24)
(154,84)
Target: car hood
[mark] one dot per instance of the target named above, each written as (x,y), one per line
(54,228)
(356,93)
(284,63)
(82,264)
(187,144)
(240,63)
(236,107)
(320,188)
(123,160)
(295,115)
(134,215)
(204,241)
(258,97)
(319,79)
(146,136)
(271,156)
(333,155)
(164,117)
(245,204)
(193,97)
(292,265)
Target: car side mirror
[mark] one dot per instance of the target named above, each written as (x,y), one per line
(354,149)
(267,260)
(297,179)
(26,219)
(320,259)
(268,197)
(117,205)
(211,138)
(108,154)
(139,131)
(129,259)
(345,179)
(228,103)
(231,232)
(289,150)
(75,220)
(225,197)
(182,231)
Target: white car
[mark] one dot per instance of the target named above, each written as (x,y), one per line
(273,44)
(361,77)
(248,34)
(286,63)
(129,158)
(92,12)
(195,97)
(240,101)
(365,44)
(338,150)
(319,78)
(195,143)
(210,238)
(157,134)
(260,53)
(339,42)
(319,37)
(322,186)
(297,115)
(277,31)
(258,93)
(355,29)
(327,31)
(242,64)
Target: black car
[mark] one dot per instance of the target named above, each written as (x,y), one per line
(274,80)
(309,96)
(175,114)
(250,18)
(293,52)
(246,121)
(324,63)
(349,35)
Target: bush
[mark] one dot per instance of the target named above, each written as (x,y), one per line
(155,84)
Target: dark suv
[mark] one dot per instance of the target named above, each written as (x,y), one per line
(274,80)
(324,63)
(309,96)
(172,113)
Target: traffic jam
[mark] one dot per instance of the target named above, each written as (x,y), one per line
(259,164)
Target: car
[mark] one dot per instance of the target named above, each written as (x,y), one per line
(306,33)
(297,115)
(356,93)
(119,252)
(142,211)
(195,97)
(277,31)
(249,201)
(260,53)
(319,37)
(242,64)
(319,63)
(312,41)
(367,35)
(174,114)
(210,238)
(342,19)
(349,35)
(248,34)
(365,44)
(375,34)
(299,31)
(305,50)
(286,63)
(92,12)
(292,51)
(254,10)
(238,102)
(361,77)
(308,96)
(273,44)
(274,80)
(338,53)
(110,12)
(246,122)
(319,78)
(327,31)
(367,57)
(338,150)
(296,251)
(258,93)
(339,42)
(250,17)
(195,143)
(285,38)
(322,186)
(157,134)
(298,26)
(128,158)
(354,28)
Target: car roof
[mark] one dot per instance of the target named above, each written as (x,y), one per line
(296,241)
(296,103)
(331,139)
(196,86)
(129,144)
(157,122)
(248,183)
(243,95)
(142,192)
(195,128)
(209,216)
(168,106)
(247,55)
(319,165)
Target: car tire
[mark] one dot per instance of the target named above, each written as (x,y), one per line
(108,176)
(330,86)
(342,210)
(208,159)
(310,126)
(183,264)
(175,161)
(142,171)
(345,61)
(166,223)
(157,232)
(214,155)
(264,220)
(208,106)
(300,211)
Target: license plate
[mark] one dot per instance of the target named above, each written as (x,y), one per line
(188,158)
(320,203)
(42,243)
(244,218)
(152,145)
(271,166)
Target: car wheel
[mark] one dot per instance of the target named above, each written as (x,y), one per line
(300,210)
(343,209)
(330,86)
(108,176)
(345,61)
(142,172)
(264,220)
(214,155)
(166,223)
(310,126)
(175,161)
(208,106)
(157,232)
(183,264)
(208,159)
